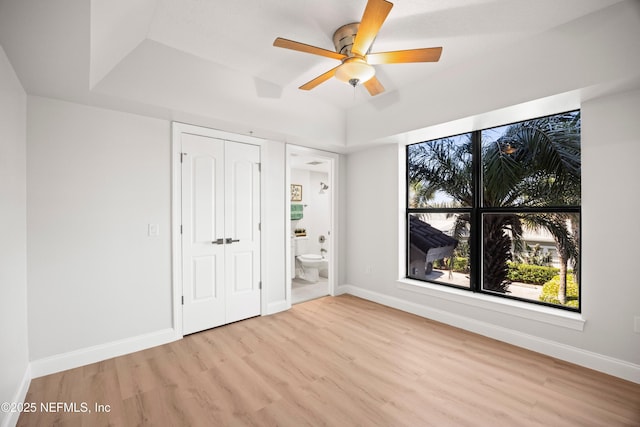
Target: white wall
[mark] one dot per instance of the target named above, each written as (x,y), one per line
(371,218)
(320,211)
(317,209)
(14,353)
(610,234)
(611,147)
(95,179)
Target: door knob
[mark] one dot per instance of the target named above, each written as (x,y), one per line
(218,241)
(230,240)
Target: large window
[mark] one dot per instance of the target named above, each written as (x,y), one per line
(498,211)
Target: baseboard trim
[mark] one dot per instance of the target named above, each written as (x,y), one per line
(609,365)
(85,356)
(344,289)
(11,418)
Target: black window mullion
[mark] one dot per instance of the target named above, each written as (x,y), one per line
(475,240)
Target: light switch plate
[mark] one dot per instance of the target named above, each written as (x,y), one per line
(153,230)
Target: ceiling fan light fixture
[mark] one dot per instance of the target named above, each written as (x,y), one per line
(353,43)
(355,70)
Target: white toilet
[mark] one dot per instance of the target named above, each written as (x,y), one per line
(307,266)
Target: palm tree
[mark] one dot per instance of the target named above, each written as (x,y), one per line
(498,234)
(534,164)
(553,144)
(562,228)
(444,166)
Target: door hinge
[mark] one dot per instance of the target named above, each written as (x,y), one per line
(182,299)
(259,167)
(259,285)
(180,228)
(259,226)
(182,156)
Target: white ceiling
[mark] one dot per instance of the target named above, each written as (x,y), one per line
(212,62)
(238,35)
(310,162)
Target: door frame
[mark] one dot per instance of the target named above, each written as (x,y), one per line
(177,129)
(333,159)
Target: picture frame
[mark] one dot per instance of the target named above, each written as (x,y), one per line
(296,192)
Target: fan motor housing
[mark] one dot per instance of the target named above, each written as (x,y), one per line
(344,37)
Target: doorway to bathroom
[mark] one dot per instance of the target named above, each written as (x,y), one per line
(312,252)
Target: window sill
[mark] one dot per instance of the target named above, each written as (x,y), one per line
(539,313)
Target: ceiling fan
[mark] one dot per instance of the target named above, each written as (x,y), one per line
(352,43)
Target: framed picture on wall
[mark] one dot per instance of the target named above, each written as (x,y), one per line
(296,192)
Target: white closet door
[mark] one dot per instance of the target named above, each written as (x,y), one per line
(242,227)
(202,233)
(220,232)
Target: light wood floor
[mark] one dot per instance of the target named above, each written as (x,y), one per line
(339,362)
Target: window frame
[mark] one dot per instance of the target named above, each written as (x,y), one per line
(476,213)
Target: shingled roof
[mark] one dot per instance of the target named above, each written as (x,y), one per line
(425,237)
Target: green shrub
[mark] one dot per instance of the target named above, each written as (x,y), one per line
(534,274)
(440,264)
(550,291)
(461,265)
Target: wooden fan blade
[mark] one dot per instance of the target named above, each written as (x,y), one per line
(373,17)
(301,47)
(320,79)
(374,86)
(429,54)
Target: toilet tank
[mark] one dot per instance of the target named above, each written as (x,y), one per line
(301,244)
